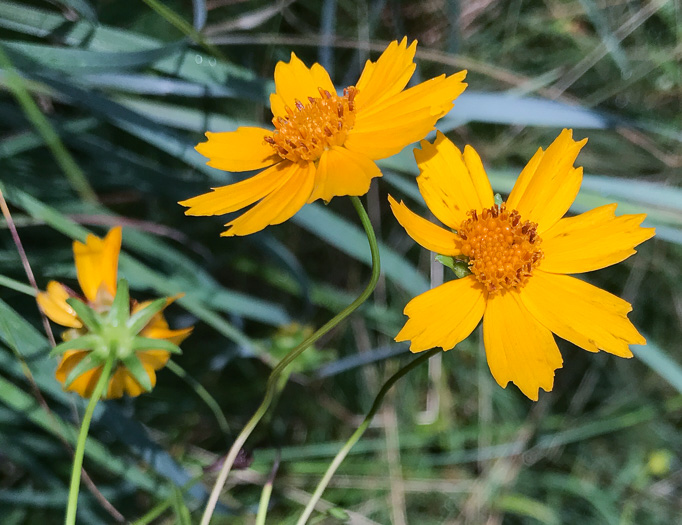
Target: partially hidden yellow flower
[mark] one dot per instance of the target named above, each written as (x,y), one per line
(518,255)
(97,268)
(324,145)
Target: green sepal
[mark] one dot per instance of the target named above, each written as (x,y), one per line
(87,315)
(446,260)
(120,308)
(137,370)
(149,343)
(459,267)
(140,318)
(89,362)
(84,342)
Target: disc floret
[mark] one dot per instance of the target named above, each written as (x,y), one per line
(502,249)
(310,129)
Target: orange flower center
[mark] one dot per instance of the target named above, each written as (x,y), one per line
(502,250)
(305,133)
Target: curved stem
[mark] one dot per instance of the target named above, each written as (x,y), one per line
(80,444)
(271,385)
(341,455)
(204,394)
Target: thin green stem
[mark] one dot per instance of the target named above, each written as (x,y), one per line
(341,455)
(266,493)
(164,505)
(271,385)
(204,394)
(82,437)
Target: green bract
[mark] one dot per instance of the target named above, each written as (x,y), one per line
(115,332)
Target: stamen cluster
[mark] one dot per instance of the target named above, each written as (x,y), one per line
(502,250)
(310,129)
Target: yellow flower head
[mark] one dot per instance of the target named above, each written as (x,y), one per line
(518,255)
(324,144)
(97,267)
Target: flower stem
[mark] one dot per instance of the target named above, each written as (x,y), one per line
(341,455)
(80,444)
(271,385)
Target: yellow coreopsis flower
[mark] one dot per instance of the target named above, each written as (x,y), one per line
(324,145)
(97,267)
(518,255)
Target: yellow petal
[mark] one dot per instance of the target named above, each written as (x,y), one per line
(549,184)
(85,383)
(388,76)
(132,387)
(157,327)
(280,205)
(241,150)
(233,197)
(342,172)
(592,240)
(383,130)
(427,234)
(174,336)
(518,348)
(585,315)
(154,359)
(116,387)
(443,316)
(452,183)
(53,304)
(294,81)
(97,263)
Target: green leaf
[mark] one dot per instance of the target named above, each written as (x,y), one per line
(140,318)
(120,308)
(86,314)
(149,343)
(135,367)
(85,342)
(89,362)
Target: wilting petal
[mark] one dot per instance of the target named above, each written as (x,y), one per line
(97,263)
(549,184)
(387,76)
(443,316)
(241,150)
(294,81)
(343,172)
(53,304)
(585,315)
(278,206)
(592,240)
(233,197)
(383,130)
(452,183)
(427,234)
(519,348)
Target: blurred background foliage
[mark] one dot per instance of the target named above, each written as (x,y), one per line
(101,105)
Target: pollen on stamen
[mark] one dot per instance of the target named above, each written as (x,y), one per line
(310,129)
(502,249)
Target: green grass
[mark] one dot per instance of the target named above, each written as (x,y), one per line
(113,98)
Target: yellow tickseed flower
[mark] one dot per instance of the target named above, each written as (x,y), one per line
(518,254)
(324,144)
(97,267)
